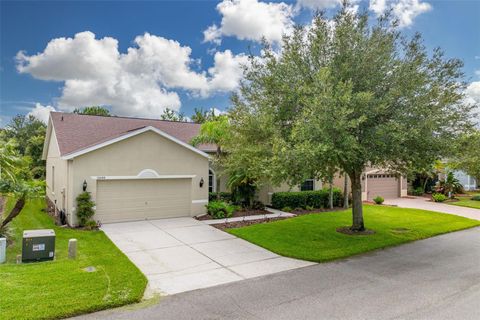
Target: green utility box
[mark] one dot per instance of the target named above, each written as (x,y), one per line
(38,245)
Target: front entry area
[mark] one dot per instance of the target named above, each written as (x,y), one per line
(142,199)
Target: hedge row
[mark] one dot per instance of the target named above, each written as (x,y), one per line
(224,196)
(302,199)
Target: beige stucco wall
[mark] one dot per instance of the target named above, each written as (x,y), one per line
(129,157)
(57,191)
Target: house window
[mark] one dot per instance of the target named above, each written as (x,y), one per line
(53,178)
(308,185)
(211,181)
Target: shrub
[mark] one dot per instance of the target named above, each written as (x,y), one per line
(378,200)
(476,197)
(258,205)
(439,197)
(287,209)
(219,209)
(84,208)
(302,199)
(223,196)
(309,208)
(418,191)
(91,225)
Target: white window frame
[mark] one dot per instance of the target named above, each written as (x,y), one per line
(214,180)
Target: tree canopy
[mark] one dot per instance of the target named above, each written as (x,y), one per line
(343,95)
(27,134)
(201,116)
(93,111)
(172,115)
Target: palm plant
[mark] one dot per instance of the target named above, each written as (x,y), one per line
(243,188)
(14,183)
(9,160)
(450,185)
(215,132)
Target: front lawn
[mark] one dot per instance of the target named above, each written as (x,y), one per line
(466,201)
(60,288)
(314,237)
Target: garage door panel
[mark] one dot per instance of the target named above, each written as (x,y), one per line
(387,188)
(127,200)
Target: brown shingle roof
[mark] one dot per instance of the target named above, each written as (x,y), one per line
(75,132)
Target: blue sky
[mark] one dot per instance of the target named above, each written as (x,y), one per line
(171,62)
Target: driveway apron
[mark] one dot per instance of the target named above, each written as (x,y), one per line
(183,254)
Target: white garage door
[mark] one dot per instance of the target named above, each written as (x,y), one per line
(126,200)
(384,185)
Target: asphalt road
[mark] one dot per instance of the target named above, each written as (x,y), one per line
(436,278)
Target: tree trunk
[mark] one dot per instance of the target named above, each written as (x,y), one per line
(15,211)
(424,185)
(345,192)
(330,196)
(357,208)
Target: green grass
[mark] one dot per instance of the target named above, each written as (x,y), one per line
(466,201)
(314,237)
(60,288)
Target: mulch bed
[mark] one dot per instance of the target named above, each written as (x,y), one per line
(241,213)
(239,224)
(348,231)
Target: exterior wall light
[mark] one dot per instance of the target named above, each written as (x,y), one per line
(201,182)
(84,185)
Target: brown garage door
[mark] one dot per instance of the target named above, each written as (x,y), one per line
(384,185)
(127,200)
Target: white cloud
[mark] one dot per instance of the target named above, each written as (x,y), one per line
(251,20)
(473,92)
(227,71)
(404,10)
(140,82)
(378,6)
(41,112)
(473,97)
(318,4)
(477,73)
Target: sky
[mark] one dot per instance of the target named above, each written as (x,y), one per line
(137,58)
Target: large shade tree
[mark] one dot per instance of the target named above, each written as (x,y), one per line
(344,94)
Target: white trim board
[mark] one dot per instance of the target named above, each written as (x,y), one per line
(200,201)
(132,134)
(178,176)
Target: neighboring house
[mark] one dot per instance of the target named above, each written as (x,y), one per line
(468,182)
(375,182)
(138,169)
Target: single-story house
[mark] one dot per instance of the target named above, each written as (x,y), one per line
(138,169)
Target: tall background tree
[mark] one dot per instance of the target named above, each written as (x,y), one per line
(343,95)
(27,135)
(201,116)
(172,115)
(93,111)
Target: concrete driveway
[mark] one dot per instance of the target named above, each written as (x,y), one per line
(425,204)
(184,254)
(437,278)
